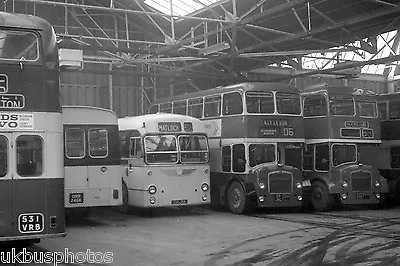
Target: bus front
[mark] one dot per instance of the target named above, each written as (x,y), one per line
(274,138)
(172,168)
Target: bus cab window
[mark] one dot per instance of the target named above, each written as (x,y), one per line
(3,156)
(315,105)
(75,143)
(308,158)
(123,145)
(212,106)
(161,149)
(135,147)
(98,142)
(232,104)
(239,158)
(322,157)
(29,155)
(261,153)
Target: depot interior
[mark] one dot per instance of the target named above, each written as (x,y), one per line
(123,54)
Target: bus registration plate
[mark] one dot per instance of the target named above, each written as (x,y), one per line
(75,198)
(30,223)
(181,201)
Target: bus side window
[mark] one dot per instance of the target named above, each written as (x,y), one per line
(394,110)
(395,157)
(226,159)
(135,147)
(308,156)
(383,111)
(75,143)
(232,104)
(195,107)
(3,156)
(212,106)
(239,159)
(315,106)
(29,155)
(98,142)
(322,157)
(179,107)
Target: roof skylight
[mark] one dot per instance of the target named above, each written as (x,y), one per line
(179,7)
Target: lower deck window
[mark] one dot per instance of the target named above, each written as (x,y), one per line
(29,155)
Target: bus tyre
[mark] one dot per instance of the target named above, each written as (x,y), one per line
(321,200)
(237,201)
(124,208)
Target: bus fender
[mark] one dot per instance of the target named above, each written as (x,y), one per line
(332,188)
(247,186)
(384,187)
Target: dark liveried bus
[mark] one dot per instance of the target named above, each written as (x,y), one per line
(31,165)
(256,136)
(341,124)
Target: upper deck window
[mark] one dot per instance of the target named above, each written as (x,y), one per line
(341,105)
(261,153)
(232,104)
(75,143)
(18,46)
(383,111)
(315,105)
(193,148)
(288,103)
(212,106)
(179,108)
(195,107)
(367,108)
(260,102)
(98,142)
(344,153)
(394,110)
(161,149)
(166,108)
(153,109)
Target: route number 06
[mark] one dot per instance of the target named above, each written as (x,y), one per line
(288,131)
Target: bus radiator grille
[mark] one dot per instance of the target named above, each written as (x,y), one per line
(280,182)
(361,181)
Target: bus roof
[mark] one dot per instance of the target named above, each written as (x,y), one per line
(149,123)
(76,114)
(247,86)
(337,89)
(23,21)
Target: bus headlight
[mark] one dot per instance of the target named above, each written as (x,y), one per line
(377,183)
(299,198)
(378,196)
(344,184)
(152,200)
(261,185)
(152,189)
(261,199)
(298,185)
(204,187)
(204,197)
(344,196)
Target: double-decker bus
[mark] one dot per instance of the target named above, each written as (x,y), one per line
(91,159)
(340,124)
(31,165)
(166,161)
(387,156)
(256,136)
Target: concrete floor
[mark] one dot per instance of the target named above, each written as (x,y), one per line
(206,237)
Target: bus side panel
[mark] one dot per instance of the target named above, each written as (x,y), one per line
(55,205)
(317,128)
(6,207)
(101,185)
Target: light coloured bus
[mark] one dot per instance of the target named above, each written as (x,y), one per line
(31,165)
(256,136)
(91,158)
(166,158)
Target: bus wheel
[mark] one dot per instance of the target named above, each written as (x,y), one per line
(321,200)
(237,201)
(124,208)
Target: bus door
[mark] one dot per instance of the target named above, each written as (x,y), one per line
(23,190)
